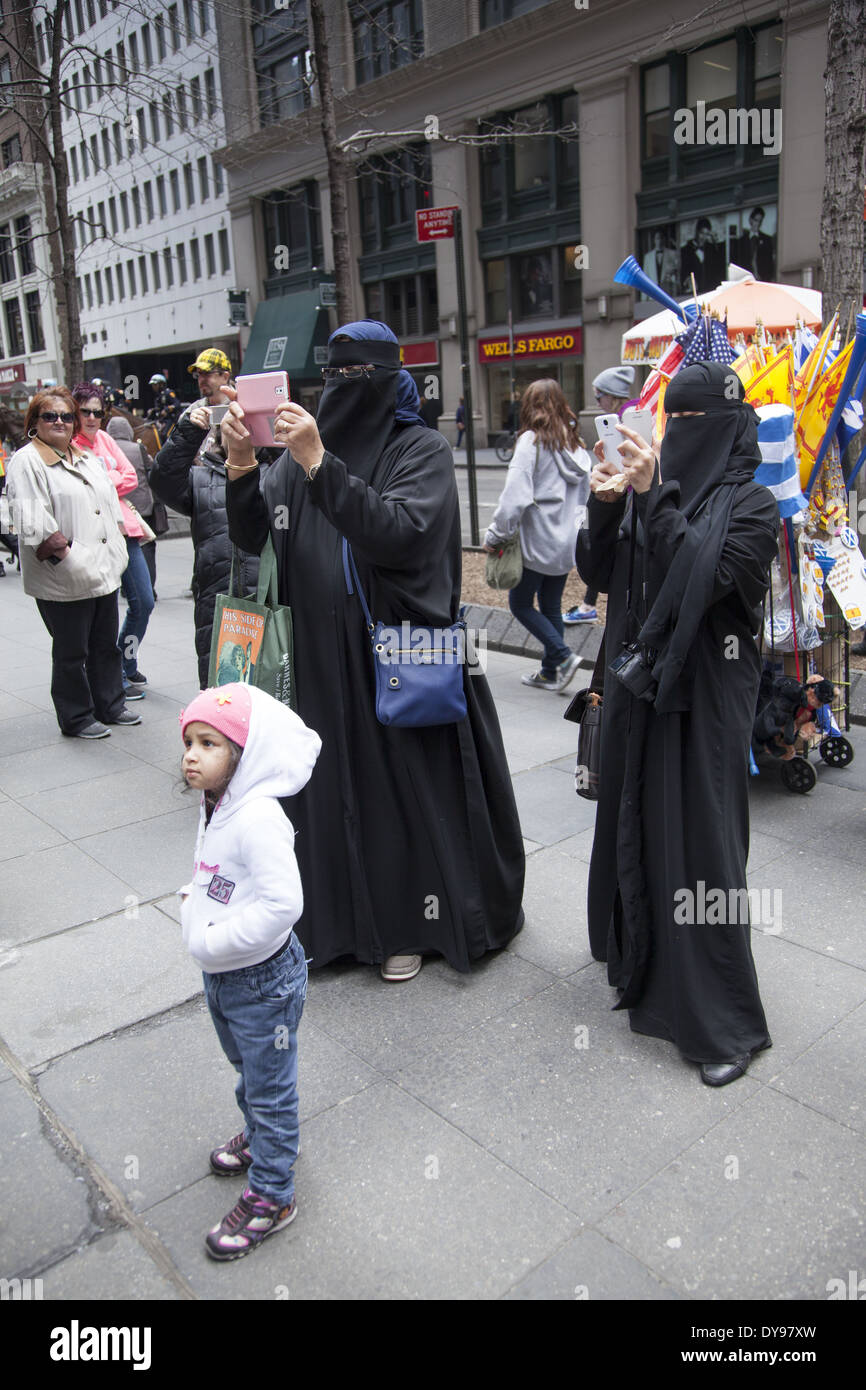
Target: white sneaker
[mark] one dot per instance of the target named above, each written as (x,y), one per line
(566,671)
(401,967)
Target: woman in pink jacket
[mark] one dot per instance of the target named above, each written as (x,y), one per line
(135,583)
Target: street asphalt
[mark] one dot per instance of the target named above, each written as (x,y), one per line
(496,1135)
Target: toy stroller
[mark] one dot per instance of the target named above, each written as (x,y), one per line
(793,718)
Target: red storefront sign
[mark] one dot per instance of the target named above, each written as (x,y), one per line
(434,224)
(563,342)
(420,354)
(9,375)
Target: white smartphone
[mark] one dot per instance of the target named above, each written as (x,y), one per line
(610,437)
(640,420)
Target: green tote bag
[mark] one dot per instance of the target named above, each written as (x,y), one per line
(252,640)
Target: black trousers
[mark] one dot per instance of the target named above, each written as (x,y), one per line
(86,672)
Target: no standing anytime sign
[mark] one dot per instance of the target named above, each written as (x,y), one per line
(434,224)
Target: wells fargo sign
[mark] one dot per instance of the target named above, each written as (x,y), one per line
(563,343)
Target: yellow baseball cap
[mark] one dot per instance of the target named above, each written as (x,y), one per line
(211,360)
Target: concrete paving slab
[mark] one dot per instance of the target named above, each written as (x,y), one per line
(114,1267)
(554,901)
(44,893)
(822,902)
(24,833)
(561,1090)
(35,1234)
(845,839)
(779,812)
(169,1076)
(548,806)
(829,1076)
(113,972)
(389,1027)
(374,1219)
(67,761)
(14,706)
(22,732)
(788,974)
(157,858)
(594,1268)
(767,1205)
(103,803)
(37,695)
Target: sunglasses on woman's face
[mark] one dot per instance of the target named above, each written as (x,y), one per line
(51,417)
(352,373)
(85,410)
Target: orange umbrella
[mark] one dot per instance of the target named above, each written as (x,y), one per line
(777,306)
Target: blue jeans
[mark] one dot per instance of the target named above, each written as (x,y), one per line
(546,626)
(256,1013)
(137,589)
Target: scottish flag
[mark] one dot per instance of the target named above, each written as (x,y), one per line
(778,470)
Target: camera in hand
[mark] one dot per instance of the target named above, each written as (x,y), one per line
(634,667)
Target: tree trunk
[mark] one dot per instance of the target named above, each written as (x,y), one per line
(845,158)
(337,172)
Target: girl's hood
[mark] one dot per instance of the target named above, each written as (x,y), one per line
(278,758)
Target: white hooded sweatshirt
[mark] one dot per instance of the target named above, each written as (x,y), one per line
(245,894)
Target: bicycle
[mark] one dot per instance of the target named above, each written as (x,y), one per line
(504,445)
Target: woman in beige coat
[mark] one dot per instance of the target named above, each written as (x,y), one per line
(73,553)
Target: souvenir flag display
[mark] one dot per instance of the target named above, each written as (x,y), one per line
(813,414)
(747,364)
(778,470)
(813,364)
(774,384)
(706,340)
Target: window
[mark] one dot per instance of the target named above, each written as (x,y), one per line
(109,288)
(159,27)
(154,269)
(145,46)
(160,195)
(174,180)
(281,58)
(88,291)
(6,98)
(174,26)
(495,291)
(11,150)
(97,78)
(195,98)
(196,258)
(142,129)
(154,122)
(209,254)
(531,154)
(210,91)
(147,189)
(40,42)
(167,266)
(118,282)
(217,179)
(117,138)
(202,178)
(132,50)
(189,185)
(124,211)
(180,256)
(203,18)
(112,213)
(291,218)
(86,92)
(120,52)
(498,11)
(85,162)
(7,261)
(136,205)
(391,188)
(387,34)
(189,19)
(130,271)
(34,321)
(14,327)
(73,164)
(225,263)
(180,99)
(106,148)
(80,289)
(142,273)
(97,285)
(167,116)
(102,226)
(768,65)
(526,170)
(408,303)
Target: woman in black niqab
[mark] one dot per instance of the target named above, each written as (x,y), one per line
(672,822)
(408,840)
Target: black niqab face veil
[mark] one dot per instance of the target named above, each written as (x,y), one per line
(356,418)
(720,446)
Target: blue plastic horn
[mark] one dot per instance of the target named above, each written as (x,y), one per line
(630,273)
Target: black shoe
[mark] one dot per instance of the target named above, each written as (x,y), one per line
(126,717)
(859,649)
(94,730)
(137,678)
(132,692)
(720,1073)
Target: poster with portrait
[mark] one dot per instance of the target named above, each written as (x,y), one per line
(660,257)
(752,240)
(703,253)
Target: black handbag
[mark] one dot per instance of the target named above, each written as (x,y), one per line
(585,709)
(418,669)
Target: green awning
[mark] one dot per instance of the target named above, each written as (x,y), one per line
(289,334)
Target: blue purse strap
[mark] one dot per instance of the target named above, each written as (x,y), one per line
(351,573)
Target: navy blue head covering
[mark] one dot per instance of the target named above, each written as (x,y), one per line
(372,331)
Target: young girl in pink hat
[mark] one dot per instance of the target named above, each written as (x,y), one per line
(243,751)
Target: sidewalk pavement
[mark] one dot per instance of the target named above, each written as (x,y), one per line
(496,1135)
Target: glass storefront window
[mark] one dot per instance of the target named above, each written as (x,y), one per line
(566,371)
(495,297)
(531,154)
(656,102)
(711,75)
(570,151)
(534,284)
(571,282)
(768,65)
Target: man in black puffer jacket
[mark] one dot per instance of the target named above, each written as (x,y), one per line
(199,492)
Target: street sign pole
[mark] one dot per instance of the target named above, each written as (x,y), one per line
(466,378)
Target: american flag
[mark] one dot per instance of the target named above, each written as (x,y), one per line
(706,340)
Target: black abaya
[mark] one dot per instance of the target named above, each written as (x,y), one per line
(673,808)
(408,840)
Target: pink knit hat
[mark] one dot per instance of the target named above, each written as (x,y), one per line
(225,707)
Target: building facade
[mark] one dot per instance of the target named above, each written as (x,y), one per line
(142,117)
